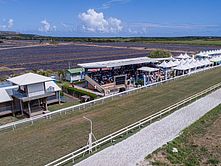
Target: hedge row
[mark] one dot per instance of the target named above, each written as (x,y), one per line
(79,92)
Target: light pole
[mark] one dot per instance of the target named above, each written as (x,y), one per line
(90,136)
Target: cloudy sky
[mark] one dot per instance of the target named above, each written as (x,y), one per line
(112,17)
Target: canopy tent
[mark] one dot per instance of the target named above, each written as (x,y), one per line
(181,56)
(177,62)
(181,67)
(208,61)
(171,63)
(164,65)
(202,54)
(148,69)
(216,59)
(186,56)
(199,64)
(182,61)
(208,53)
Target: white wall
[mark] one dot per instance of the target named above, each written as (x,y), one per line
(36,89)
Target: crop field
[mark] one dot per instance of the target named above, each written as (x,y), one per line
(48,140)
(57,57)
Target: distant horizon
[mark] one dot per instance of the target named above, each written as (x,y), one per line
(108,18)
(109,36)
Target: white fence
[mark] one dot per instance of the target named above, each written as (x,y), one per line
(30,121)
(70,158)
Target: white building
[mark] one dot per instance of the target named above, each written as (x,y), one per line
(29,94)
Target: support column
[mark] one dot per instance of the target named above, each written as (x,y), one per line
(59,97)
(12,107)
(46,105)
(21,107)
(29,109)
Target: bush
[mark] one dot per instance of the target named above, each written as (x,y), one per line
(79,92)
(160,54)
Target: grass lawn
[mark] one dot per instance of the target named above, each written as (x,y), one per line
(48,140)
(198,145)
(189,42)
(55,107)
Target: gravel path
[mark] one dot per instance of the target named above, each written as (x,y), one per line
(134,149)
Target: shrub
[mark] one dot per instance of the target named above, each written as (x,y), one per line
(160,54)
(79,92)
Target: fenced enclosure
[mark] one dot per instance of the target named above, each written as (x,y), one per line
(32,120)
(80,153)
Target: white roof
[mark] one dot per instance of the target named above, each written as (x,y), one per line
(215,59)
(29,78)
(4,96)
(186,56)
(198,63)
(164,65)
(148,69)
(183,56)
(177,62)
(171,63)
(52,86)
(121,62)
(181,67)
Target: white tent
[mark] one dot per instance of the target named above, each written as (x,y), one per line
(177,62)
(216,59)
(181,56)
(182,61)
(171,63)
(164,65)
(186,56)
(181,67)
(202,54)
(199,64)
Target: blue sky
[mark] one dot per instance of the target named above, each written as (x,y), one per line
(112,17)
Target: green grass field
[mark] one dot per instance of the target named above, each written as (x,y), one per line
(198,145)
(48,140)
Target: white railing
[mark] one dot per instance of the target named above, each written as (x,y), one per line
(70,158)
(30,121)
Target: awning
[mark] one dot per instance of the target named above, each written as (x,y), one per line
(148,69)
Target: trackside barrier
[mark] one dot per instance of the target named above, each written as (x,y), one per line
(30,121)
(71,157)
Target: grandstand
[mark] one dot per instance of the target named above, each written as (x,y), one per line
(109,77)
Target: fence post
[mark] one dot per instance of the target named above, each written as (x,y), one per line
(73,159)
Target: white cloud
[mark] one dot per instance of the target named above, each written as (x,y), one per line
(7,24)
(46,26)
(110,3)
(10,23)
(96,22)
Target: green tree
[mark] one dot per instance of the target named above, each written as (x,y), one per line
(160,54)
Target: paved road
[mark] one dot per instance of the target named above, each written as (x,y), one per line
(134,149)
